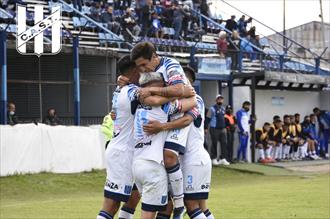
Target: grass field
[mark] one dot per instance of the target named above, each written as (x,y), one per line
(274,193)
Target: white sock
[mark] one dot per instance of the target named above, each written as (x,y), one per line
(208,214)
(176,181)
(276,149)
(314,153)
(287,150)
(261,154)
(126,213)
(268,150)
(305,146)
(197,214)
(280,151)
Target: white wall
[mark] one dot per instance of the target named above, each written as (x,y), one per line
(325,100)
(294,102)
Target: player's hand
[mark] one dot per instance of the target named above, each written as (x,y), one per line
(188,91)
(122,81)
(144,93)
(153,127)
(113,115)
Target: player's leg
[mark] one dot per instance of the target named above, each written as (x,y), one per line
(245,145)
(175,144)
(240,148)
(109,209)
(208,214)
(261,153)
(193,209)
(151,181)
(128,209)
(167,213)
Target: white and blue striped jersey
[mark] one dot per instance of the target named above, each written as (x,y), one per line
(124,104)
(172,71)
(150,147)
(195,153)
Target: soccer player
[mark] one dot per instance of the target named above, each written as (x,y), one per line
(286,141)
(262,144)
(196,161)
(148,170)
(146,59)
(119,153)
(275,135)
(308,135)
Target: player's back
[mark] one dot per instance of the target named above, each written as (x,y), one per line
(195,153)
(123,124)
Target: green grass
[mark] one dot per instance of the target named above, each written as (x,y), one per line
(234,194)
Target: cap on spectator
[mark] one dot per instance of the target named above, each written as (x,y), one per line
(228,107)
(219,96)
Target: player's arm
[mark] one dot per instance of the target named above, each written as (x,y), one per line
(155,100)
(178,90)
(154,127)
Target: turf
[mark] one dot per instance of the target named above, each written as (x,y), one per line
(236,192)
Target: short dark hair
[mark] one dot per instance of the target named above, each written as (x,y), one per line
(316,109)
(297,114)
(125,64)
(277,120)
(276,117)
(246,103)
(266,123)
(286,116)
(310,115)
(190,71)
(144,50)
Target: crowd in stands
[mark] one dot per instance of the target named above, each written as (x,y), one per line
(280,140)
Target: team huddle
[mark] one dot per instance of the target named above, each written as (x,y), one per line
(157,152)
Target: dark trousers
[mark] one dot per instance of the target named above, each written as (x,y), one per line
(230,145)
(218,135)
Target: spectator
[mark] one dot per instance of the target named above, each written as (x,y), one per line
(324,122)
(231,23)
(243,132)
(186,20)
(252,32)
(77,4)
(233,49)
(51,118)
(159,9)
(246,47)
(128,23)
(242,24)
(231,127)
(178,15)
(96,11)
(156,26)
(167,4)
(107,128)
(222,44)
(262,144)
(147,10)
(218,131)
(205,10)
(12,118)
(107,17)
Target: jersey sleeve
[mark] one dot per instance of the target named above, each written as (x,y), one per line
(132,92)
(174,71)
(197,111)
(172,107)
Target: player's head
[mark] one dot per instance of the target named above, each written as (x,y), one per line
(316,111)
(307,119)
(145,57)
(151,79)
(11,108)
(276,117)
(127,68)
(190,73)
(286,119)
(246,105)
(313,117)
(266,126)
(297,117)
(278,123)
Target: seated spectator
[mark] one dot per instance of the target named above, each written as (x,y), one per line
(156,28)
(262,144)
(107,17)
(96,11)
(12,118)
(128,22)
(51,118)
(222,44)
(231,23)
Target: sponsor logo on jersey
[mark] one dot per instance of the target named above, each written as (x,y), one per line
(174,136)
(140,145)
